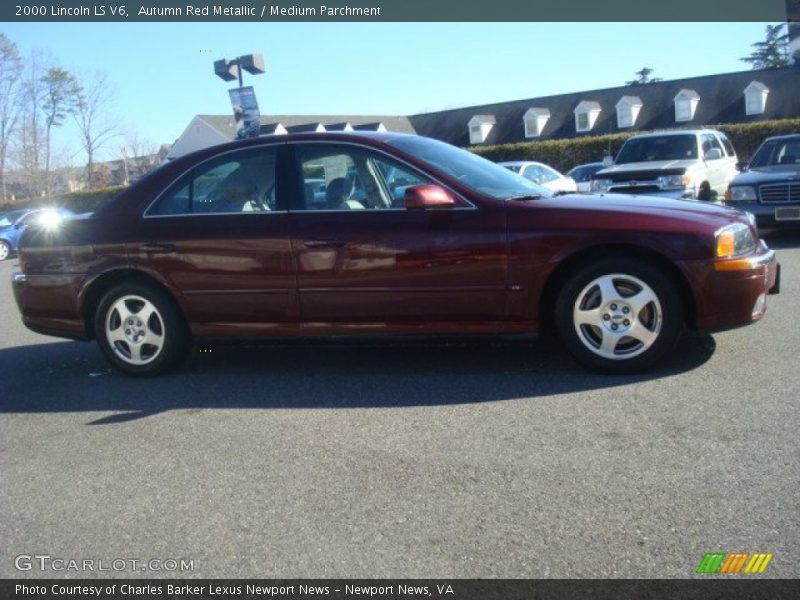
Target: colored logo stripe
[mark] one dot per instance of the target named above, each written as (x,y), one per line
(758,563)
(721,562)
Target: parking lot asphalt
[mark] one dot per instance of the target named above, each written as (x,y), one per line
(480,459)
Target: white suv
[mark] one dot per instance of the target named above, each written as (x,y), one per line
(694,163)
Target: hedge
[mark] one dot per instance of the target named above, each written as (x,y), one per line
(565,154)
(88,200)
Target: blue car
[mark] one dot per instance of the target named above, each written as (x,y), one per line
(13,223)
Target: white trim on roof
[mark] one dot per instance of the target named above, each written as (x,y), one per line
(586,114)
(628,108)
(479,127)
(755,98)
(534,121)
(686,102)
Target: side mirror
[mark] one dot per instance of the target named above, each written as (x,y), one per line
(427,196)
(608,160)
(713,154)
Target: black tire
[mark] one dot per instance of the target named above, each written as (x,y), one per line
(5,250)
(165,320)
(629,354)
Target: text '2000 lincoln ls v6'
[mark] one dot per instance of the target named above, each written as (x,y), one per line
(385,233)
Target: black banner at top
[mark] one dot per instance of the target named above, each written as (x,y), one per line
(398,10)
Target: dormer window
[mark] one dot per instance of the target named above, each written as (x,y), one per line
(274,129)
(586,114)
(628,109)
(479,128)
(685,105)
(535,119)
(755,98)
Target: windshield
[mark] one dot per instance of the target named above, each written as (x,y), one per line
(667,147)
(777,152)
(8,219)
(478,174)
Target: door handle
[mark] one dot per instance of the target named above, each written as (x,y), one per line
(324,243)
(157,248)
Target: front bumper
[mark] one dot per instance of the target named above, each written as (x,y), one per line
(732,293)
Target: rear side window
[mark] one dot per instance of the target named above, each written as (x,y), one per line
(240,182)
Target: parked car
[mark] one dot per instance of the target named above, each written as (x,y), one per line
(697,163)
(582,175)
(223,243)
(542,174)
(12,225)
(770,185)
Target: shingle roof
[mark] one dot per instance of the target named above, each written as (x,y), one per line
(227,127)
(721,101)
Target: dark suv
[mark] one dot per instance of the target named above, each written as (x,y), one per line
(770,185)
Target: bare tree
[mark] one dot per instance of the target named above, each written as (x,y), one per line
(10,67)
(61,94)
(30,135)
(138,155)
(95,124)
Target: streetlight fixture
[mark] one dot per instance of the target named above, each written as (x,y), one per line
(229,70)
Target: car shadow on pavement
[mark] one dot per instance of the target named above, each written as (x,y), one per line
(73,377)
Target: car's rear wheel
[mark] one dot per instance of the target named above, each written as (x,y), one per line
(140,330)
(5,250)
(619,315)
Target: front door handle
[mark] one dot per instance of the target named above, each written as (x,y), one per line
(324,243)
(158,248)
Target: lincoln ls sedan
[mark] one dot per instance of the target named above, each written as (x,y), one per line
(383,233)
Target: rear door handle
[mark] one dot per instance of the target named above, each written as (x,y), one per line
(158,248)
(324,243)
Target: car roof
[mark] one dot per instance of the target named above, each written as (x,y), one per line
(673,132)
(788,136)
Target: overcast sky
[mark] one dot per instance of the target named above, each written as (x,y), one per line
(163,73)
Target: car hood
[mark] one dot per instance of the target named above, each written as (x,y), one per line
(651,165)
(625,211)
(768,175)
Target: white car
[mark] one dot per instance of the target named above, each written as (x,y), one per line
(689,163)
(542,174)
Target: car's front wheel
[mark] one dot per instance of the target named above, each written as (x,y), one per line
(5,250)
(140,330)
(619,315)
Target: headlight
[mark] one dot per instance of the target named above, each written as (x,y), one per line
(601,185)
(734,240)
(675,181)
(741,193)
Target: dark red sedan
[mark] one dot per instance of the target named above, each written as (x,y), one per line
(386,234)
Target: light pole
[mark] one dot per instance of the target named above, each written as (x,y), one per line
(243,99)
(228,70)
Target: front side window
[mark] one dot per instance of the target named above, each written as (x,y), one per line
(349,178)
(710,143)
(240,182)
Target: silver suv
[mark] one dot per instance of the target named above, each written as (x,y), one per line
(694,163)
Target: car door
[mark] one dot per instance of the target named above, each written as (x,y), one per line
(219,237)
(366,263)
